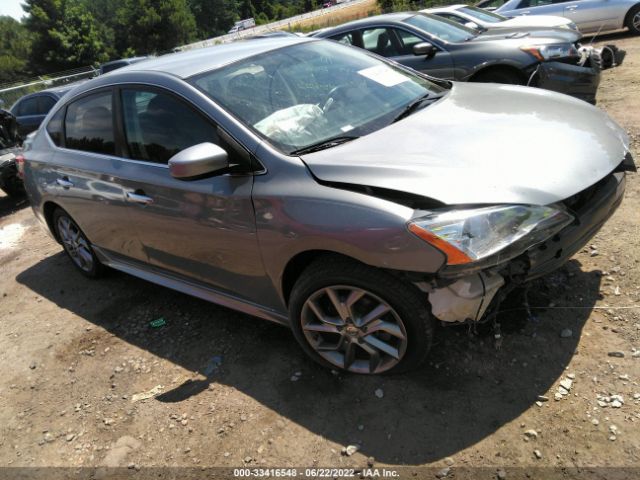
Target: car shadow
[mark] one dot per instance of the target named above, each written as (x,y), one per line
(9,205)
(466,391)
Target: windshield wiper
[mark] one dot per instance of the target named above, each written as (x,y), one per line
(413,106)
(328,143)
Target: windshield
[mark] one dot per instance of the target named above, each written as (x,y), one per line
(312,92)
(483,15)
(441,28)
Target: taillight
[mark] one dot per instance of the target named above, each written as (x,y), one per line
(20,166)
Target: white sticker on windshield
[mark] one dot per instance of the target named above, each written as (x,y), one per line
(383,75)
(346,128)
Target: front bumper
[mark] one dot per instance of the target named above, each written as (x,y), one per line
(580,80)
(467,298)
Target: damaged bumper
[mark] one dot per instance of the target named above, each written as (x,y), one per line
(580,79)
(467,298)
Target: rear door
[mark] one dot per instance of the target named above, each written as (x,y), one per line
(87,174)
(592,15)
(203,229)
(540,7)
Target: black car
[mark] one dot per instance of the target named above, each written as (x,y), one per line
(31,109)
(10,144)
(550,58)
(116,64)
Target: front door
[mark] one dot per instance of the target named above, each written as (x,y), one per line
(203,228)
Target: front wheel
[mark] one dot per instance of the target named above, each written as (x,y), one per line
(498,75)
(356,318)
(633,20)
(76,245)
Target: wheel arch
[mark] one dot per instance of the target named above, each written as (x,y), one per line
(297,264)
(47,209)
(504,67)
(627,15)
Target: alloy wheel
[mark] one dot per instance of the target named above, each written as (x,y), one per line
(75,243)
(354,329)
(635,21)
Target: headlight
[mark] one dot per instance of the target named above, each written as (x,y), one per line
(467,236)
(572,26)
(550,52)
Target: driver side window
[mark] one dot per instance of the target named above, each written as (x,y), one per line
(380,41)
(407,41)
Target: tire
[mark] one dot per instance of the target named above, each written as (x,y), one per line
(348,341)
(633,20)
(498,75)
(76,245)
(11,183)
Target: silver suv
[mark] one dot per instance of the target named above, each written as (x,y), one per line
(322,187)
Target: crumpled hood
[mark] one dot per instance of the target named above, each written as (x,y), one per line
(484,144)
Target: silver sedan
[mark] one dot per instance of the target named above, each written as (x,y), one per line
(589,15)
(325,188)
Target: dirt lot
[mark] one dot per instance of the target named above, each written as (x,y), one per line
(237,391)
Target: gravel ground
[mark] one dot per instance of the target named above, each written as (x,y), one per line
(229,390)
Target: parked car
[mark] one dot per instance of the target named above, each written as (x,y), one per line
(116,64)
(479,19)
(589,15)
(242,25)
(10,147)
(549,59)
(31,109)
(325,188)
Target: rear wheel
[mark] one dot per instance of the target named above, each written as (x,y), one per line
(633,20)
(352,317)
(76,245)
(498,75)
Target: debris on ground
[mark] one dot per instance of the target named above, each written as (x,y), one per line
(158,322)
(157,390)
(379,393)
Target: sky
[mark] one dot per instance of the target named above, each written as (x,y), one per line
(11,8)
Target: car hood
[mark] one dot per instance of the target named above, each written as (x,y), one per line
(483,144)
(521,37)
(534,21)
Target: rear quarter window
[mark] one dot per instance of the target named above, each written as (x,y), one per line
(55,127)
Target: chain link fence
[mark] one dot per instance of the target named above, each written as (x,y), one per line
(10,92)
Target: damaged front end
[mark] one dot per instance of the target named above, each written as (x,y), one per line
(466,292)
(577,75)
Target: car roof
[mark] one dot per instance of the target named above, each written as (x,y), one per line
(448,8)
(191,62)
(363,22)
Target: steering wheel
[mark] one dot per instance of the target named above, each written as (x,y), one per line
(335,93)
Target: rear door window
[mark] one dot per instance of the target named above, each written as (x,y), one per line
(89,124)
(28,106)
(45,103)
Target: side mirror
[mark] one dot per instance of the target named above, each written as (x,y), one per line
(202,159)
(472,25)
(424,48)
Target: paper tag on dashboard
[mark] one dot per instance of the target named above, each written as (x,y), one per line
(383,75)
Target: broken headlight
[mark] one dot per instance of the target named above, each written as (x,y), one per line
(551,52)
(467,236)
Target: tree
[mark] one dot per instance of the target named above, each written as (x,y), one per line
(213,17)
(15,46)
(153,26)
(64,35)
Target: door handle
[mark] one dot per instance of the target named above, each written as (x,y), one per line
(64,182)
(526,12)
(139,197)
(572,7)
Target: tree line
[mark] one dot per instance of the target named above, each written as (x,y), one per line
(56,35)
